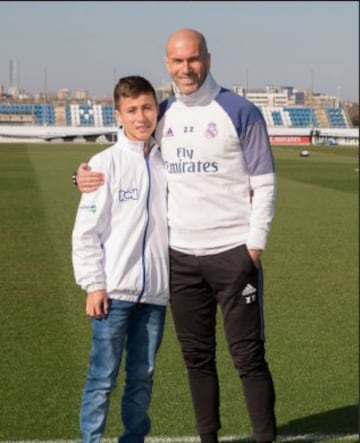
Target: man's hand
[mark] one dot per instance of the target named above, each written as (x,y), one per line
(97,304)
(87,180)
(255,255)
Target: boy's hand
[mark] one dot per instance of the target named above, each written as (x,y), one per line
(97,304)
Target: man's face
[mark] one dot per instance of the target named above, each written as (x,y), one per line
(138,116)
(187,65)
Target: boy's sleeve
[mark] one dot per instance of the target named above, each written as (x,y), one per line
(91,222)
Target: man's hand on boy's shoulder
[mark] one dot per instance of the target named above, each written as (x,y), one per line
(87,180)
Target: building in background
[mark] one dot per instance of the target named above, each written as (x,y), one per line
(63,94)
(14,78)
(284,107)
(81,94)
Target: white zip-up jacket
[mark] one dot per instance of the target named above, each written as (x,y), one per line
(220,169)
(120,235)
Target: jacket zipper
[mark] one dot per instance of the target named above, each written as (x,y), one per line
(146,226)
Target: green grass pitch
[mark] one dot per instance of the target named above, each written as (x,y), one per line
(311,303)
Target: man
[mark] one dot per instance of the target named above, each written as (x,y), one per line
(221,194)
(120,258)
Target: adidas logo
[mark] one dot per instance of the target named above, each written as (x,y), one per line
(169,133)
(248,290)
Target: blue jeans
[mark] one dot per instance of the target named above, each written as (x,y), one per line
(139,327)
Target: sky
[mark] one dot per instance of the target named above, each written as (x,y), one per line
(90,44)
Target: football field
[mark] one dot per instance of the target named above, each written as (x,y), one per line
(311,306)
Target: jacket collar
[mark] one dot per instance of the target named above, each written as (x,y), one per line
(134,145)
(207,92)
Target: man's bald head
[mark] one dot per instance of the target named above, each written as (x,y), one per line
(187,59)
(187,34)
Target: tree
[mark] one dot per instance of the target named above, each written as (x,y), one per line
(352,110)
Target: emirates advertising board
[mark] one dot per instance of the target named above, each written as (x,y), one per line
(290,139)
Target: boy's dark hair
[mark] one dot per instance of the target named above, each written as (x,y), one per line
(132,86)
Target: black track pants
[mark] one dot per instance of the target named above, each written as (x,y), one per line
(230,279)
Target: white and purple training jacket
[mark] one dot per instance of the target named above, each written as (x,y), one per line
(220,169)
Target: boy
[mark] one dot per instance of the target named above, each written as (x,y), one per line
(120,258)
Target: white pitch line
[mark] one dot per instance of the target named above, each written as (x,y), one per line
(225,439)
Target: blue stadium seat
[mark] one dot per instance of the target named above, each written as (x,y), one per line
(335,117)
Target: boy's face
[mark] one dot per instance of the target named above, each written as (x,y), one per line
(138,116)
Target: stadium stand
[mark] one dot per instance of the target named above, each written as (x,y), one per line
(37,113)
(82,115)
(97,115)
(304,117)
(89,115)
(301,117)
(336,117)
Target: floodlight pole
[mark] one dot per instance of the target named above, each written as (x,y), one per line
(246,82)
(311,96)
(45,94)
(338,96)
